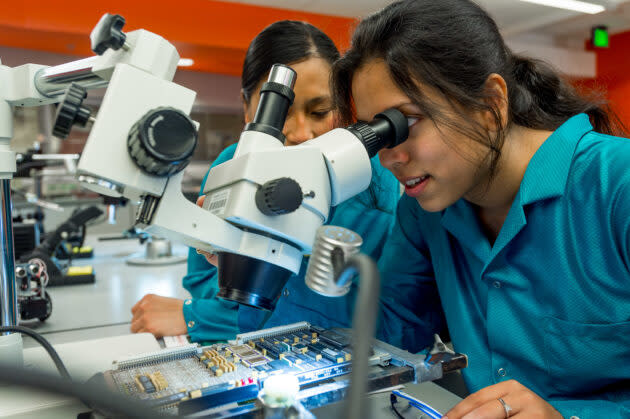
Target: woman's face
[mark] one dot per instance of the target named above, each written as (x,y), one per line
(311,114)
(436,165)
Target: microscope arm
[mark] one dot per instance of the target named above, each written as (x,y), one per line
(178,219)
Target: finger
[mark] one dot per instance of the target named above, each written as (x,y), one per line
(200,200)
(481,397)
(136,305)
(492,409)
(142,302)
(135,326)
(213,259)
(203,253)
(138,312)
(524,414)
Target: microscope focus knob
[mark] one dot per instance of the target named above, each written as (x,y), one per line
(279,196)
(162,142)
(108,34)
(70,111)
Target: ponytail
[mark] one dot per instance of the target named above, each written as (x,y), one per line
(540,99)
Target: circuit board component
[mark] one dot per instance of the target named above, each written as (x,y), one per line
(223,372)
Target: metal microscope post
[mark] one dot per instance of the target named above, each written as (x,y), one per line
(51,82)
(8,295)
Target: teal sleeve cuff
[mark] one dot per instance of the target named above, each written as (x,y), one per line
(201,279)
(211,320)
(592,409)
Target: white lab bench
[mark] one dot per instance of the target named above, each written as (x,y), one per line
(89,326)
(87,311)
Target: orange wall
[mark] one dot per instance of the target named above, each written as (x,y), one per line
(214,33)
(613,74)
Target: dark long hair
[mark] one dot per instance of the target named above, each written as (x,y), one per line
(452,46)
(283,42)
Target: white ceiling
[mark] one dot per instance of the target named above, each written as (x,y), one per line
(350,8)
(555,35)
(514,17)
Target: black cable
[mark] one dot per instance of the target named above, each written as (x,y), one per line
(113,404)
(393,400)
(42,341)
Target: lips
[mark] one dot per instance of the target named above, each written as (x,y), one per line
(416,185)
(414,181)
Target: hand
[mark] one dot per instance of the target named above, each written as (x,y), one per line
(485,404)
(161,316)
(210,257)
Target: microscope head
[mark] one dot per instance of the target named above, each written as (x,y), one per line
(142,133)
(248,280)
(285,193)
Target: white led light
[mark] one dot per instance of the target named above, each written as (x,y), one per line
(578,6)
(185,62)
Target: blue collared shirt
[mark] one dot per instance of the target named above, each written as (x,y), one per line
(548,304)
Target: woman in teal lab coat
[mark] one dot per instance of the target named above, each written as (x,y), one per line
(515,225)
(371,213)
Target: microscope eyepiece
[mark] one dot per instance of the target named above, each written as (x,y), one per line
(387,129)
(282,74)
(276,96)
(391,124)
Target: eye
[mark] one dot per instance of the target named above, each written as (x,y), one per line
(321,114)
(413,120)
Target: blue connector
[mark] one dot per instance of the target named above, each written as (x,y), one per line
(418,404)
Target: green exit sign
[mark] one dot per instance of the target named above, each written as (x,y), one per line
(600,37)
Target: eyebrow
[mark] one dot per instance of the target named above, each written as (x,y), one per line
(317,100)
(403,104)
(400,105)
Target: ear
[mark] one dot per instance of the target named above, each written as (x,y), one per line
(245,108)
(497,97)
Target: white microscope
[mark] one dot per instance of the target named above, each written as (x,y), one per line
(262,208)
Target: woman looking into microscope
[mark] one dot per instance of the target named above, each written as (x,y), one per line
(205,317)
(516,214)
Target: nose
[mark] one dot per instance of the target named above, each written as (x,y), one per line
(392,158)
(297,129)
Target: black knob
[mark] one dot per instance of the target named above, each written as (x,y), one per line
(70,111)
(162,141)
(279,196)
(108,34)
